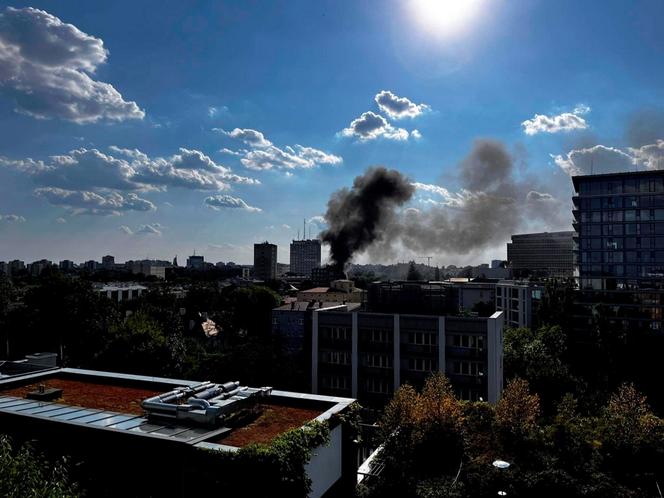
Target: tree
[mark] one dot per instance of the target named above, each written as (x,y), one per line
(27,474)
(413,272)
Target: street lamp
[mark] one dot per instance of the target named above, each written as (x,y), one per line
(501,465)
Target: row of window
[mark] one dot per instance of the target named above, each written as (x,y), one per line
(423,338)
(622,257)
(466,341)
(635,271)
(619,216)
(384,336)
(335,357)
(626,229)
(460,367)
(619,243)
(377,385)
(622,185)
(336,333)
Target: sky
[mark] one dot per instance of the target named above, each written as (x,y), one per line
(160,128)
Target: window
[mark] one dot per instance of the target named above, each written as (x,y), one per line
(377,386)
(468,341)
(336,357)
(336,382)
(378,361)
(422,338)
(475,368)
(421,364)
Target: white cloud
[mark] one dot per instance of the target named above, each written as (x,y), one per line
(149,229)
(567,121)
(125,229)
(218,202)
(398,107)
(11,218)
(129,169)
(248,136)
(230,152)
(370,126)
(45,67)
(535,196)
(596,159)
(61,220)
(416,134)
(86,202)
(264,155)
(651,156)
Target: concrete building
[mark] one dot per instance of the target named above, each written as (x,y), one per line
(91,266)
(67,265)
(121,291)
(340,291)
(132,441)
(520,302)
(108,262)
(369,355)
(148,268)
(305,255)
(323,276)
(15,266)
(37,267)
(4,268)
(619,246)
(196,263)
(265,261)
(547,254)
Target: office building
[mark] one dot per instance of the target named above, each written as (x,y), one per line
(4,268)
(323,276)
(520,302)
(305,255)
(369,355)
(108,262)
(148,267)
(37,267)
(619,246)
(67,265)
(90,266)
(196,263)
(265,261)
(151,436)
(547,254)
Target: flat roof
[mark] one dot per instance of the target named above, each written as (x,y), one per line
(112,402)
(576,178)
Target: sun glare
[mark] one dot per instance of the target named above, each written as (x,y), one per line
(445,17)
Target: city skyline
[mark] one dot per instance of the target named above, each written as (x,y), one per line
(151,132)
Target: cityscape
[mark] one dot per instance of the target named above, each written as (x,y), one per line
(450,284)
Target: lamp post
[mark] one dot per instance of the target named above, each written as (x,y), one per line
(501,465)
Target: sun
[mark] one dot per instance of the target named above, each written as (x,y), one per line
(445,17)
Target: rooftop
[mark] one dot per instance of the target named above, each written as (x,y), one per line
(113,402)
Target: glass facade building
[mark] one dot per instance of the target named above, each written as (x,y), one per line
(619,245)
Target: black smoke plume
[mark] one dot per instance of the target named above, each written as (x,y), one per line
(357,217)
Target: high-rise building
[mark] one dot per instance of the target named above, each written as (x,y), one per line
(265,261)
(619,246)
(305,255)
(547,254)
(15,266)
(196,263)
(108,262)
(66,265)
(520,301)
(37,267)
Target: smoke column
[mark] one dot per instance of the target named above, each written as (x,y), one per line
(357,217)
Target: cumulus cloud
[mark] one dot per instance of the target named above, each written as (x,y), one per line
(218,202)
(86,202)
(398,107)
(60,220)
(264,155)
(149,229)
(128,169)
(596,159)
(567,121)
(370,126)
(651,156)
(11,218)
(45,67)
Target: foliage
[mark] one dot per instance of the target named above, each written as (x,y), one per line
(25,473)
(616,452)
(281,464)
(413,272)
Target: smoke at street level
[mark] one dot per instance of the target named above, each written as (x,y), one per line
(358,217)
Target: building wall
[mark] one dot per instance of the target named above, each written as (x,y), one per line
(265,261)
(519,302)
(369,355)
(305,255)
(544,254)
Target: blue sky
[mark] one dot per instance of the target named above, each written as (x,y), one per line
(148,96)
